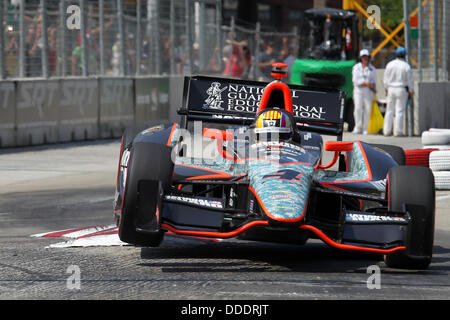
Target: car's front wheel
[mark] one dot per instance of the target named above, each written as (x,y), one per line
(412,188)
(149,173)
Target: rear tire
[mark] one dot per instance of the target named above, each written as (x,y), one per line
(413,186)
(149,173)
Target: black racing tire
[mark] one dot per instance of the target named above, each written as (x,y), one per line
(149,162)
(397,153)
(413,186)
(127,138)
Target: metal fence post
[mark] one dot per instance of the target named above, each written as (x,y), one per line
(257,46)
(138,37)
(406,28)
(62,40)
(156,38)
(219,34)
(201,37)
(189,35)
(172,37)
(101,36)
(435,40)
(420,40)
(233,31)
(84,47)
(2,40)
(44,56)
(444,41)
(121,38)
(22,39)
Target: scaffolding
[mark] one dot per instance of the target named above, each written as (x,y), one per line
(423,32)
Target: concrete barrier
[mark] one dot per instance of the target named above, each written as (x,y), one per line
(152,100)
(116,106)
(78,110)
(37,112)
(7,114)
(175,97)
(434,101)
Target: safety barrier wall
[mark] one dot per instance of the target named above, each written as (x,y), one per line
(434,102)
(37,111)
(7,114)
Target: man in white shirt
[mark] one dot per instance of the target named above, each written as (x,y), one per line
(399,83)
(364,78)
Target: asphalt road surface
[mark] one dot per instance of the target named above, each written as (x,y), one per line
(57,187)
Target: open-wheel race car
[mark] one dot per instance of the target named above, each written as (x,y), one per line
(246,161)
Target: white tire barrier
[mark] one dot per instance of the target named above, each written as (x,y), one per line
(440,160)
(440,147)
(442,180)
(436,137)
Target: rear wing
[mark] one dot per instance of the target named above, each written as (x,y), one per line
(232,101)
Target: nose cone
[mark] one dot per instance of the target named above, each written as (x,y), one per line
(281,190)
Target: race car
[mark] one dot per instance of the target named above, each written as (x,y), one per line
(246,161)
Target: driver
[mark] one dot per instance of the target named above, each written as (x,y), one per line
(273,125)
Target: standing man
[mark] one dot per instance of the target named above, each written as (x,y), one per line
(364,78)
(399,83)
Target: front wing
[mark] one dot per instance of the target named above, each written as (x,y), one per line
(230,216)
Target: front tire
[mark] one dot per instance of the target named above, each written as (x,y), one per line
(413,187)
(149,173)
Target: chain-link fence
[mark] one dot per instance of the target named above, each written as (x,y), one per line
(62,38)
(432,42)
(426,36)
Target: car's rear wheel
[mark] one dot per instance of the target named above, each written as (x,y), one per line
(149,173)
(412,188)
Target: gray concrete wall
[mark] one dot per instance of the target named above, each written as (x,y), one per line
(434,102)
(38,111)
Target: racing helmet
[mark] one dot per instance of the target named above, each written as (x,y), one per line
(271,124)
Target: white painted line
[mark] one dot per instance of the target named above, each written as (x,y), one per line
(108,198)
(102,240)
(443,197)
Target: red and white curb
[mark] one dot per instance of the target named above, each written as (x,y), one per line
(106,235)
(95,236)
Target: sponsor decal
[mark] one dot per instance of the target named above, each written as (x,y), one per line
(380,185)
(307,136)
(124,166)
(286,175)
(357,217)
(281,196)
(214,100)
(153,129)
(278,144)
(246,98)
(196,201)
